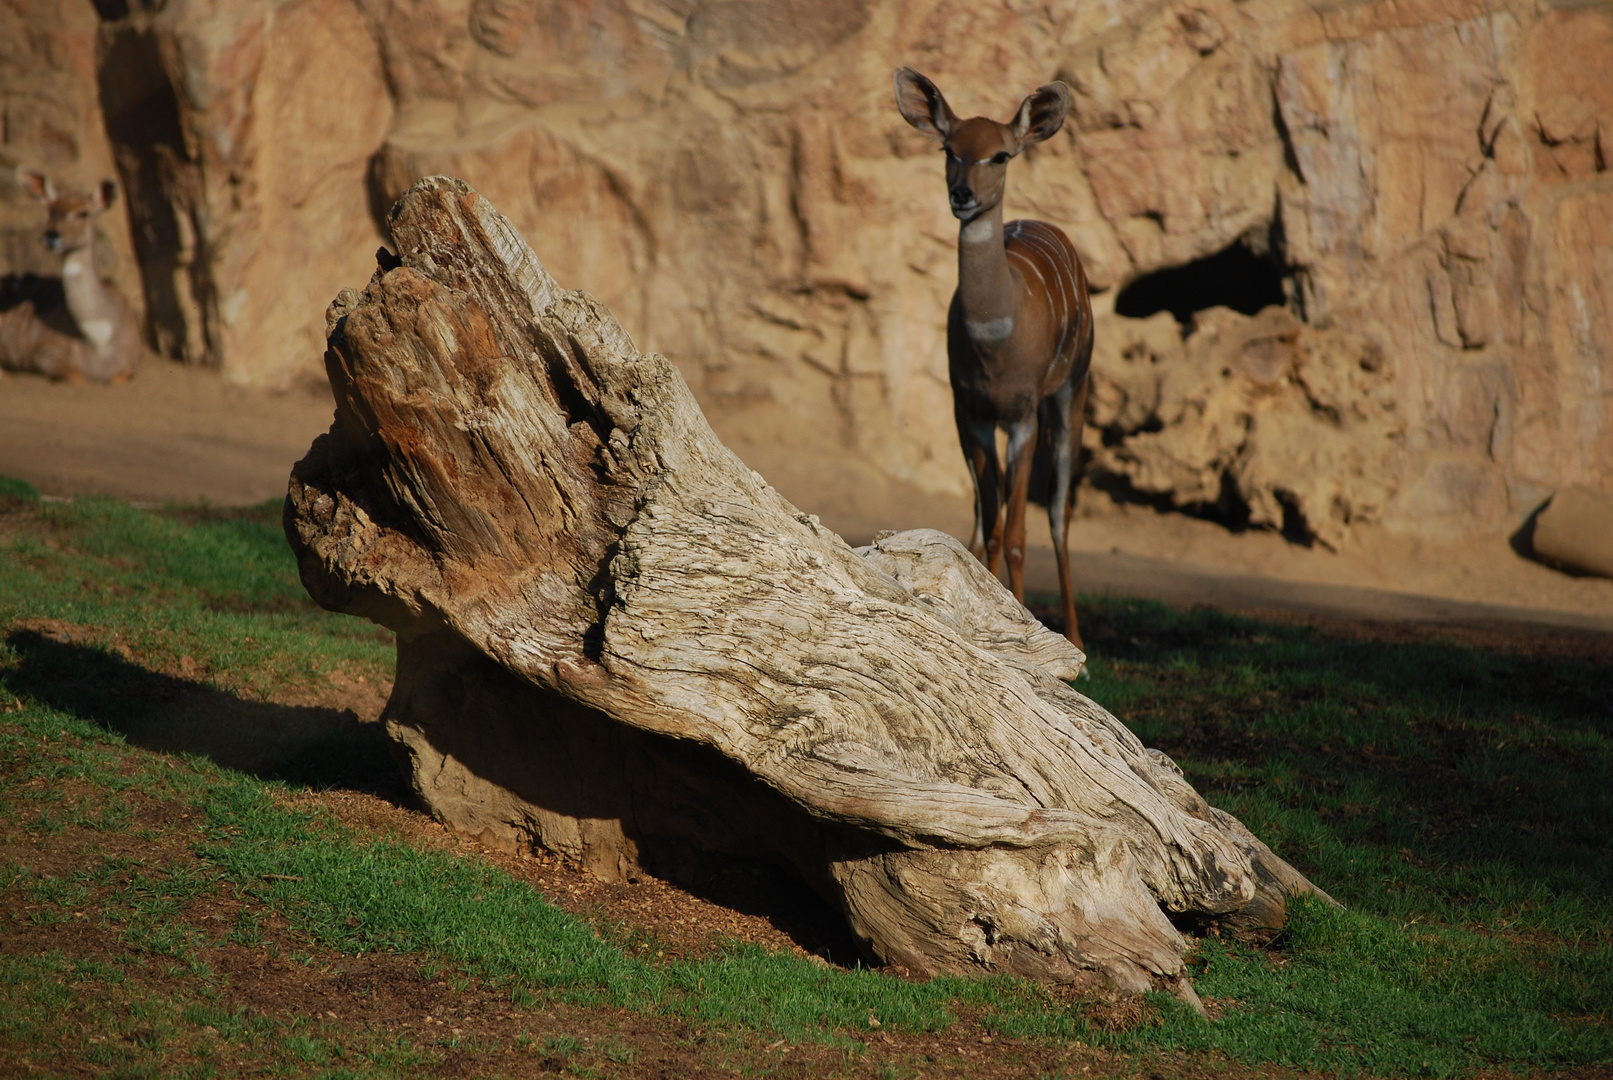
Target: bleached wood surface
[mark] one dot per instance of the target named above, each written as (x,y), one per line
(509,479)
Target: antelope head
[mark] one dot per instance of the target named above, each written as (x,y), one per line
(71,224)
(979,149)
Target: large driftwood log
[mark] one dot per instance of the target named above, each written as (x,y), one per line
(618,642)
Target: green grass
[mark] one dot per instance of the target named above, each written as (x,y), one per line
(1419,781)
(222,590)
(1457,801)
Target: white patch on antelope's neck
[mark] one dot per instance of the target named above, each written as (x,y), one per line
(98,331)
(979,231)
(71,268)
(990,329)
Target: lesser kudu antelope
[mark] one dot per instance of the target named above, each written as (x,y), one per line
(1019,331)
(99,339)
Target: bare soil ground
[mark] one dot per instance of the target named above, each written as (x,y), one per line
(183,435)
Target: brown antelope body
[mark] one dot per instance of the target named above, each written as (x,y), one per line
(92,335)
(1019,332)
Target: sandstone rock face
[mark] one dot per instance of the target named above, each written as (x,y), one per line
(1263,417)
(1575,531)
(244,133)
(1424,182)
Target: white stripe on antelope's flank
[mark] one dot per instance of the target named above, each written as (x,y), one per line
(991,329)
(1041,282)
(1037,246)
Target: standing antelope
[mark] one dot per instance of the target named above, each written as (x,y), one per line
(101,340)
(1019,331)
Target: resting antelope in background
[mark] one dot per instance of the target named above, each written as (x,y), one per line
(1019,331)
(98,338)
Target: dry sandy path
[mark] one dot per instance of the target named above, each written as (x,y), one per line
(184,435)
(171,434)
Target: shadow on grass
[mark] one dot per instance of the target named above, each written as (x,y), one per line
(326,748)
(300,745)
(1445,757)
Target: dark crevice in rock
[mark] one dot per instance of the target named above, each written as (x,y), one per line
(1235,277)
(1230,509)
(145,127)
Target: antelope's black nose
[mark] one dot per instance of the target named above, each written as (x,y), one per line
(961,197)
(52,237)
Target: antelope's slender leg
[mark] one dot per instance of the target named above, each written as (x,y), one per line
(1021,450)
(979,441)
(1069,411)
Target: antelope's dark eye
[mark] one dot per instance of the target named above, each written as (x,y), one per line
(1000,158)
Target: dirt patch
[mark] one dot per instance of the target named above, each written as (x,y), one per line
(170,435)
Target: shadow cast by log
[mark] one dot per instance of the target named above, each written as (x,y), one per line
(523,769)
(302,745)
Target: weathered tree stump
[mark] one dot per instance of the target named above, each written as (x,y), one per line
(619,643)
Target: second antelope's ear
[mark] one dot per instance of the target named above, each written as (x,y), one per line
(106,193)
(922,105)
(1042,114)
(36,184)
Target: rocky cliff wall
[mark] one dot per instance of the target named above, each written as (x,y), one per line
(1421,185)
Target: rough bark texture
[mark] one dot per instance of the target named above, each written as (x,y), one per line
(618,642)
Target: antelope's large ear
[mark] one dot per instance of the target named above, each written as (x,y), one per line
(106,193)
(922,105)
(1041,114)
(37,184)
